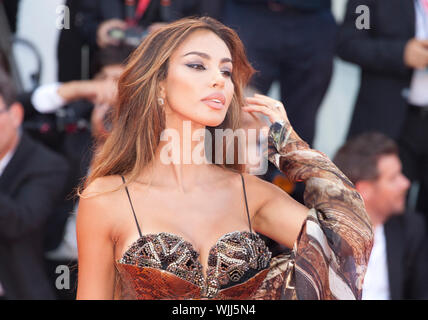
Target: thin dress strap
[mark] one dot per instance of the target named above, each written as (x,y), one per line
(132,207)
(246,203)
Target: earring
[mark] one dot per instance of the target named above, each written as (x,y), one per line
(161,101)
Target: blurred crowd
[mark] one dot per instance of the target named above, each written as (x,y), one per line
(48,134)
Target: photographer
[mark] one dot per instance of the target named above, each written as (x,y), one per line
(81,109)
(110,22)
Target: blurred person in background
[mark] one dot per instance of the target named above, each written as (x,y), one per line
(4,63)
(393,96)
(108,22)
(73,60)
(32,181)
(388,52)
(398,262)
(412,139)
(97,24)
(8,23)
(11,10)
(292,42)
(82,108)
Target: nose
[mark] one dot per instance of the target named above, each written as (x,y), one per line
(218,79)
(405,182)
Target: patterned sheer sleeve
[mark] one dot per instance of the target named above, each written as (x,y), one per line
(330,256)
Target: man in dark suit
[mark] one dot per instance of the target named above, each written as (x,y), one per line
(398,262)
(31,181)
(292,42)
(388,53)
(393,98)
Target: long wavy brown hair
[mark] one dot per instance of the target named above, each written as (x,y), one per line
(138,119)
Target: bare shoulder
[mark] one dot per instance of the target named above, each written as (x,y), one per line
(277,215)
(101,199)
(264,190)
(102,185)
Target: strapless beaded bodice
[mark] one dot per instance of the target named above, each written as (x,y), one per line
(165,266)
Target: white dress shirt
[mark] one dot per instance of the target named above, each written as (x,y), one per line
(376,282)
(418,94)
(5,160)
(46,99)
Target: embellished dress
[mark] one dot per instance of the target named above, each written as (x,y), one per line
(328,260)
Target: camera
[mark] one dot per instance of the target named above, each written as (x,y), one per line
(131,36)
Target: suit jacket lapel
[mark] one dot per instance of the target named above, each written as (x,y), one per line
(394,250)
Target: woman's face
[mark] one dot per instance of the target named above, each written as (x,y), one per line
(199,85)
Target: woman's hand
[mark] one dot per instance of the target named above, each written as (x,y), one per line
(272,108)
(103,37)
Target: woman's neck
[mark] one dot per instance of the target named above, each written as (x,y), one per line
(180,158)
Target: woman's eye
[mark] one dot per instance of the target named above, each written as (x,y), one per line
(196,66)
(227,73)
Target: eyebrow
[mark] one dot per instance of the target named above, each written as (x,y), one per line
(206,56)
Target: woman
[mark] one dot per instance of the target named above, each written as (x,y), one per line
(149,229)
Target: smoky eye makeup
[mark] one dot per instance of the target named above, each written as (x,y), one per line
(227,72)
(227,67)
(195,65)
(198,65)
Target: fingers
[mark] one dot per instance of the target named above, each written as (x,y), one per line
(103,92)
(265,101)
(271,114)
(103,38)
(268,106)
(118,23)
(254,107)
(261,96)
(416,54)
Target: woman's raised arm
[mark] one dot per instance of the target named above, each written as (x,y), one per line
(331,252)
